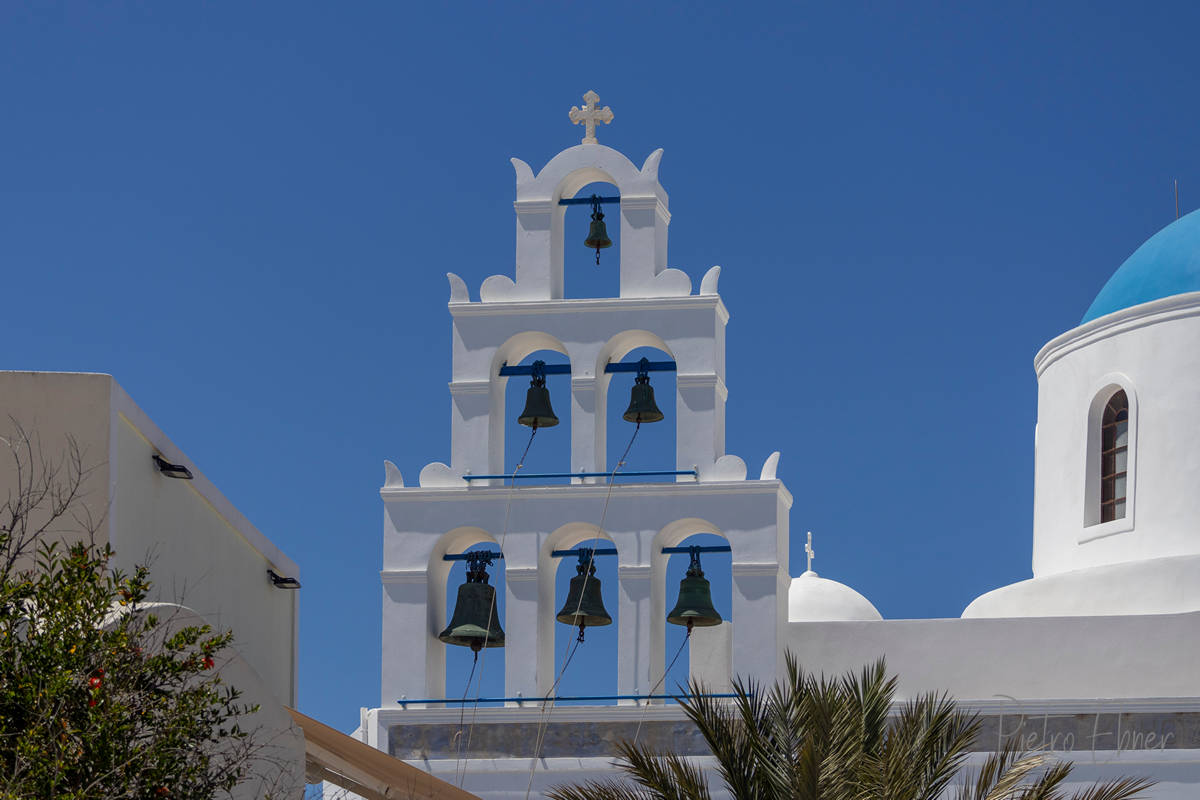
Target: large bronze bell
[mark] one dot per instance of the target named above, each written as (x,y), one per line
(474,623)
(642,407)
(538,413)
(597,238)
(584,606)
(694,607)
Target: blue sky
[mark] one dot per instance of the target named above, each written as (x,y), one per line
(245,214)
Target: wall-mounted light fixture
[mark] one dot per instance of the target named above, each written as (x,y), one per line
(281,582)
(172,470)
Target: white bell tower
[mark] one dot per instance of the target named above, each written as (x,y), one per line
(473,499)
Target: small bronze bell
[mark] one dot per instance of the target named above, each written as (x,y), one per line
(538,413)
(694,607)
(642,407)
(585,605)
(474,623)
(597,238)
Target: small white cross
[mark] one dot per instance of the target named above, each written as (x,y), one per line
(809,550)
(589,115)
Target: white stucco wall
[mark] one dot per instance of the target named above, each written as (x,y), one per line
(1153,352)
(1151,586)
(1047,658)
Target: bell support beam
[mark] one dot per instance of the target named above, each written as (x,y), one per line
(640,366)
(584,552)
(508,371)
(587,201)
(715,548)
(528,369)
(478,555)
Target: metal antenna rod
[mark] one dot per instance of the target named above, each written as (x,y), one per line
(1176,198)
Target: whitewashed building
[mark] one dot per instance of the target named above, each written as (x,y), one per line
(208,563)
(1089,658)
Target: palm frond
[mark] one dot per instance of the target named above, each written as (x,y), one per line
(1008,784)
(1118,789)
(668,776)
(608,789)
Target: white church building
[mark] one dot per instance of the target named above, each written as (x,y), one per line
(1089,658)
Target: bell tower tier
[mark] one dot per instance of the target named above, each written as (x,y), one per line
(525,523)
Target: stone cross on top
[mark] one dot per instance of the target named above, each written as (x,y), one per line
(589,115)
(808,549)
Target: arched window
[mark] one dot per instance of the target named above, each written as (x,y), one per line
(1114,457)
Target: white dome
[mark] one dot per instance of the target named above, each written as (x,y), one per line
(812,598)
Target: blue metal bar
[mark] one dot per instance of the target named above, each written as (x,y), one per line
(716,548)
(463,701)
(596,551)
(469,556)
(565,369)
(586,201)
(548,369)
(644,473)
(634,366)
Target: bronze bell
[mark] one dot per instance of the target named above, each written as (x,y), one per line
(474,623)
(538,413)
(694,607)
(597,238)
(642,407)
(585,605)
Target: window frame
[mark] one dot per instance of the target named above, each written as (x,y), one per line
(1095,526)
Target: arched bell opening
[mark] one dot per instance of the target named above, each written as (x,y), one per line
(584,590)
(667,570)
(651,397)
(583,276)
(544,399)
(699,589)
(474,665)
(508,438)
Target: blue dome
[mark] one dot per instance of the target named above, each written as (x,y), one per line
(1167,264)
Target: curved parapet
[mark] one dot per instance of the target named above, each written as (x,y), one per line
(392,479)
(708,284)
(1154,586)
(437,475)
(458,289)
(769,467)
(498,289)
(725,468)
